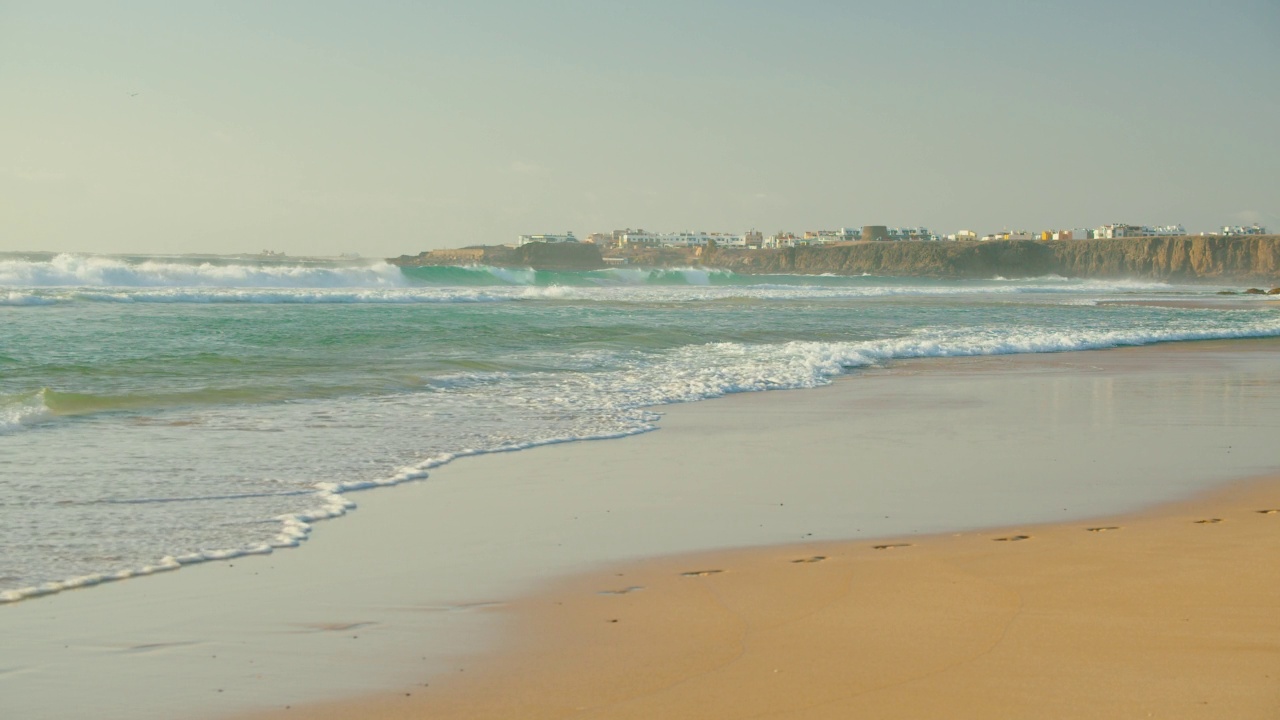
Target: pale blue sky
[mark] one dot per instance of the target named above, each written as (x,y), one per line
(392,127)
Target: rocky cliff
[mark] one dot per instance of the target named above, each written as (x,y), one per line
(1164,258)
(1179,259)
(539,256)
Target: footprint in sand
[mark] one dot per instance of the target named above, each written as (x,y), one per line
(623,591)
(1013,538)
(700,573)
(891,546)
(152,647)
(1104,528)
(332,626)
(1209,521)
(814,559)
(1271,511)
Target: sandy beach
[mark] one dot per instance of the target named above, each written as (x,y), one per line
(1169,613)
(459,576)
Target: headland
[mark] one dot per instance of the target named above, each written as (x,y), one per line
(1191,259)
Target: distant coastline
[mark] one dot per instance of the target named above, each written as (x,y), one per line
(1173,258)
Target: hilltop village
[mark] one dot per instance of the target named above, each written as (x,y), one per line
(755,240)
(1113,251)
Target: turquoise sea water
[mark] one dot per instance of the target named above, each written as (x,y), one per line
(158,411)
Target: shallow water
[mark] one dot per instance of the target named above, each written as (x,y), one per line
(159,411)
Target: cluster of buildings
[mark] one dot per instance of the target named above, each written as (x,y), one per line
(753,239)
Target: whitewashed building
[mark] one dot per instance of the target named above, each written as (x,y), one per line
(1117,230)
(1254,229)
(566,238)
(639,238)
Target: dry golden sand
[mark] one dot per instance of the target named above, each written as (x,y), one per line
(1171,613)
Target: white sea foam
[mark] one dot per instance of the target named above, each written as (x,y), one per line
(514,276)
(20,298)
(17,412)
(706,371)
(68,270)
(295,296)
(295,527)
(163,565)
(625,385)
(92,278)
(610,294)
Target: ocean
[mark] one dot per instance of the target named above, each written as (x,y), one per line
(158,411)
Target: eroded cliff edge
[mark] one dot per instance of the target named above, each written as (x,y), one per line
(1161,258)
(1178,259)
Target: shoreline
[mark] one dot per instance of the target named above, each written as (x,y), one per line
(548,646)
(1166,611)
(440,559)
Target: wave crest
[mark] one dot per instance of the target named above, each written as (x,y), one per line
(19,411)
(72,270)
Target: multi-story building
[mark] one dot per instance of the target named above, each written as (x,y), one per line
(1117,230)
(827,237)
(1120,230)
(781,240)
(566,238)
(1254,229)
(912,233)
(640,238)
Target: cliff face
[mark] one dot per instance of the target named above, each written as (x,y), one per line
(1163,258)
(539,256)
(1178,259)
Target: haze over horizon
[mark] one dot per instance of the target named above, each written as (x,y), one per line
(329,127)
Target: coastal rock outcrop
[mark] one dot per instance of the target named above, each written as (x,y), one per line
(1161,258)
(539,256)
(1175,259)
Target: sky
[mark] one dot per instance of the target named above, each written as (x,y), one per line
(388,128)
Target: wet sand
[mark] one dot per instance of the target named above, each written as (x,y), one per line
(1169,613)
(1163,612)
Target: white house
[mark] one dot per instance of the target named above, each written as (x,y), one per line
(1117,230)
(1254,229)
(566,238)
